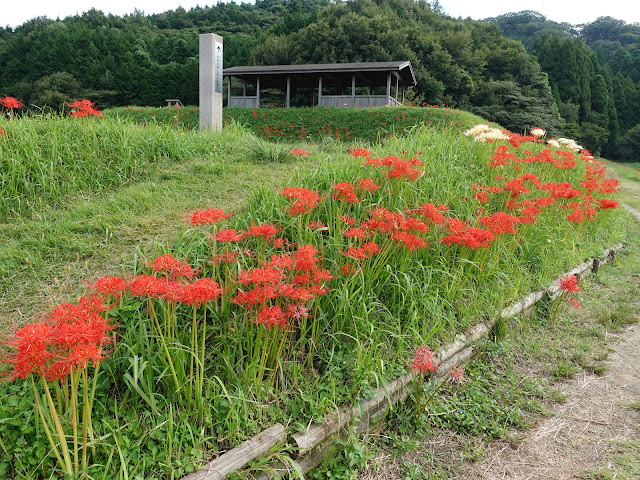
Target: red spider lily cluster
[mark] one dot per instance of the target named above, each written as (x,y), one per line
(277,292)
(301,124)
(70,337)
(84,108)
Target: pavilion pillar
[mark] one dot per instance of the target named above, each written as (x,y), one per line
(388,87)
(287,98)
(397,86)
(244,88)
(229,91)
(403,90)
(257,92)
(319,90)
(353,88)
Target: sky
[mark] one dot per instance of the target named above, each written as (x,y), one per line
(16,12)
(574,12)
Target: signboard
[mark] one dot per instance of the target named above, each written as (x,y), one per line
(218,67)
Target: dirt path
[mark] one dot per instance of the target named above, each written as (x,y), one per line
(580,433)
(585,431)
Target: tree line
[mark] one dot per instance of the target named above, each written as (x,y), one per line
(519,70)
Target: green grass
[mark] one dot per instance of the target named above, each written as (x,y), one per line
(363,329)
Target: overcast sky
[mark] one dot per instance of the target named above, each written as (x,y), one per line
(16,12)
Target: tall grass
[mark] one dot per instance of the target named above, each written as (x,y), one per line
(45,159)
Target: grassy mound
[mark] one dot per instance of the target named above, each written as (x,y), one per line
(306,299)
(371,125)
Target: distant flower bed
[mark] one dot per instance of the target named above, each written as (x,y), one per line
(312,124)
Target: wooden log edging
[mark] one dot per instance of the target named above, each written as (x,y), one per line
(241,455)
(311,447)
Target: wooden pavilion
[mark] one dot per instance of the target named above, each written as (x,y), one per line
(331,84)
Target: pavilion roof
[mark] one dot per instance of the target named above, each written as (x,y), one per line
(372,71)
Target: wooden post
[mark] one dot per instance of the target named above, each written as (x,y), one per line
(319,90)
(353,88)
(244,88)
(388,87)
(287,98)
(258,92)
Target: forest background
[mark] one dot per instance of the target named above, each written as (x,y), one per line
(519,69)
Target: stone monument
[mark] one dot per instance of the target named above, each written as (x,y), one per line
(210,82)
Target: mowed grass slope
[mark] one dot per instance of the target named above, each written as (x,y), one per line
(107,187)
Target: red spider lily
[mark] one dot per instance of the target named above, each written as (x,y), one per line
(345,191)
(169,266)
(609,185)
(305,200)
(574,303)
(561,190)
(146,285)
(500,222)
(569,284)
(306,259)
(402,168)
(209,216)
(456,375)
(32,343)
(2,132)
(367,250)
(348,270)
(422,360)
(431,212)
(409,241)
(226,257)
(228,235)
(266,230)
(471,237)
(11,103)
(607,203)
(299,152)
(356,233)
(261,276)
(360,152)
(367,184)
(110,285)
(316,225)
(296,311)
(256,296)
(272,316)
(201,291)
(84,108)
